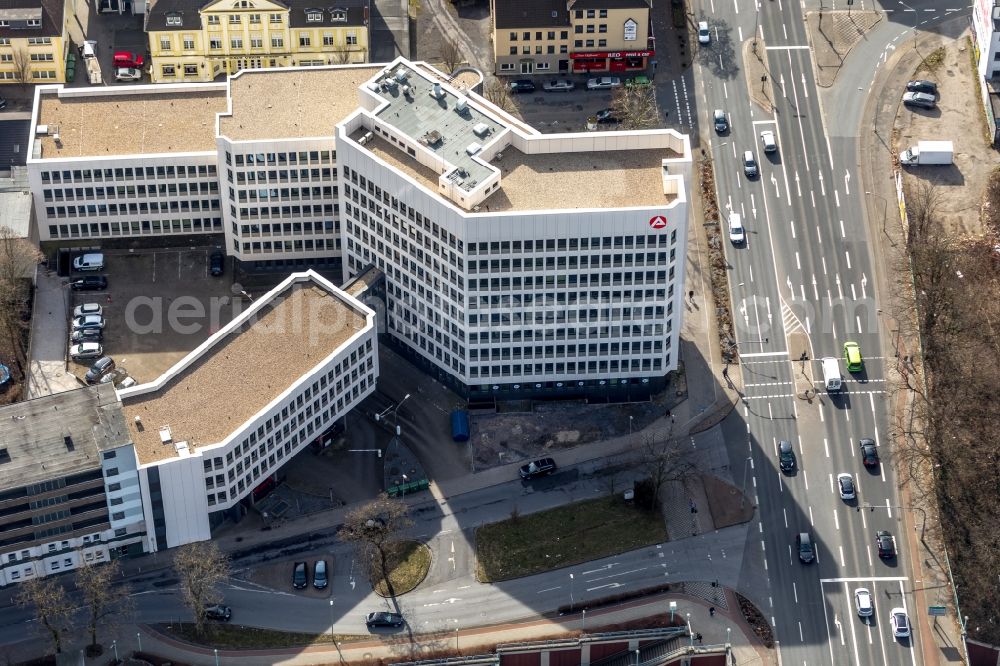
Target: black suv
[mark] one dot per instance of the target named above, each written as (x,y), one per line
(522,86)
(923,86)
(886,545)
(540,467)
(101,367)
(869,452)
(218,612)
(786,457)
(216,263)
(300,576)
(89,283)
(383,619)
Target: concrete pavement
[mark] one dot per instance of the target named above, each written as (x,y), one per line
(47,372)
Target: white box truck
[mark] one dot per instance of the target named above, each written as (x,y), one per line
(928,152)
(93,66)
(831,374)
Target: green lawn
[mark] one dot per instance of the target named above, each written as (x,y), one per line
(239,637)
(409,562)
(566,535)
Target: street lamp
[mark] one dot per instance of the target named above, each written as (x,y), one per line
(381,415)
(571,602)
(637,657)
(216,650)
(331,619)
(630,426)
(583,628)
(690,635)
(114,646)
(138,637)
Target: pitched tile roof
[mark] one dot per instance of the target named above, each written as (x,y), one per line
(530,14)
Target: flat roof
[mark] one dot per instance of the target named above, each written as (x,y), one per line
(126,123)
(220,386)
(555,181)
(292,103)
(34,434)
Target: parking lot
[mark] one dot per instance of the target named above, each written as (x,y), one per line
(551,112)
(158,306)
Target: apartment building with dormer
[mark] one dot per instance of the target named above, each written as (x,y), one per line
(32,41)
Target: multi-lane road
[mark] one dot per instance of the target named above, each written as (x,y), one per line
(803,284)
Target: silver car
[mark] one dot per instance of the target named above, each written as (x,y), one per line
(919,99)
(85,350)
(749,164)
(604,83)
(88,321)
(863,602)
(558,85)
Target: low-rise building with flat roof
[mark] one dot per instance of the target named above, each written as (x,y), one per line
(301,356)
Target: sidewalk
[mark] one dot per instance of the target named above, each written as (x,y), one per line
(47,371)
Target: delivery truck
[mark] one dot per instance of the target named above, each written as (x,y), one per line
(93,66)
(927,152)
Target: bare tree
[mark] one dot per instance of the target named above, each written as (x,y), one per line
(201,567)
(451,56)
(665,461)
(340,55)
(373,527)
(105,600)
(18,259)
(497,91)
(635,107)
(22,66)
(47,597)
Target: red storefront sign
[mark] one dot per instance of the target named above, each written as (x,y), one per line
(611,54)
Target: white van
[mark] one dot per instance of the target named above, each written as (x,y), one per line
(89,262)
(831,374)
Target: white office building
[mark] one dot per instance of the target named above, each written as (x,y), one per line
(297,361)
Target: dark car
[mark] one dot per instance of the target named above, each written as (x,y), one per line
(384,619)
(300,576)
(786,457)
(101,367)
(89,283)
(606,116)
(804,544)
(216,263)
(540,467)
(87,335)
(522,86)
(869,452)
(886,545)
(218,612)
(923,86)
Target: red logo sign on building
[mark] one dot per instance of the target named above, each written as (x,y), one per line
(658,222)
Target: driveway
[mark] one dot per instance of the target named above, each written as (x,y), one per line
(47,372)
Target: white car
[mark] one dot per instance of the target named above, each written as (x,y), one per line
(88,321)
(845,483)
(767,138)
(900,623)
(127,74)
(88,309)
(863,602)
(604,83)
(737,235)
(85,350)
(558,85)
(704,36)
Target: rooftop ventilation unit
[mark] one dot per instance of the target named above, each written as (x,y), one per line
(473,148)
(481,130)
(165,436)
(437,92)
(41,130)
(366,138)
(462,105)
(401,75)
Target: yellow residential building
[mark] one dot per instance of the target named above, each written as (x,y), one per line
(32,41)
(194,40)
(571,36)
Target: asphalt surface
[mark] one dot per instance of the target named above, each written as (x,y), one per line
(804,283)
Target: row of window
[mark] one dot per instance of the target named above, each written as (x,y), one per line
(281,159)
(307,245)
(551,49)
(41,75)
(255,42)
(570,369)
(618,332)
(140,208)
(130,191)
(130,173)
(288,211)
(325,175)
(32,41)
(195,225)
(602,350)
(560,317)
(286,193)
(562,262)
(505,248)
(328,227)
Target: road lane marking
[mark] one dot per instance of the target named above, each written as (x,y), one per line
(842,563)
(854,636)
(787,48)
(862,579)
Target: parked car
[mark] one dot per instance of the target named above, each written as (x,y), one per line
(541,467)
(384,619)
(869,452)
(93,261)
(218,613)
(721,122)
(767,139)
(86,335)
(88,309)
(852,357)
(640,80)
(845,483)
(300,576)
(89,283)
(749,164)
(88,321)
(3,103)
(216,263)
(604,83)
(786,457)
(319,575)
(127,74)
(886,544)
(900,623)
(85,350)
(558,85)
(522,86)
(114,377)
(101,367)
(922,86)
(606,116)
(704,35)
(919,99)
(128,59)
(863,602)
(737,235)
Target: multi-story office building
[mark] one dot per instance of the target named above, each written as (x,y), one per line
(194,40)
(571,36)
(33,46)
(302,356)
(69,491)
(516,263)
